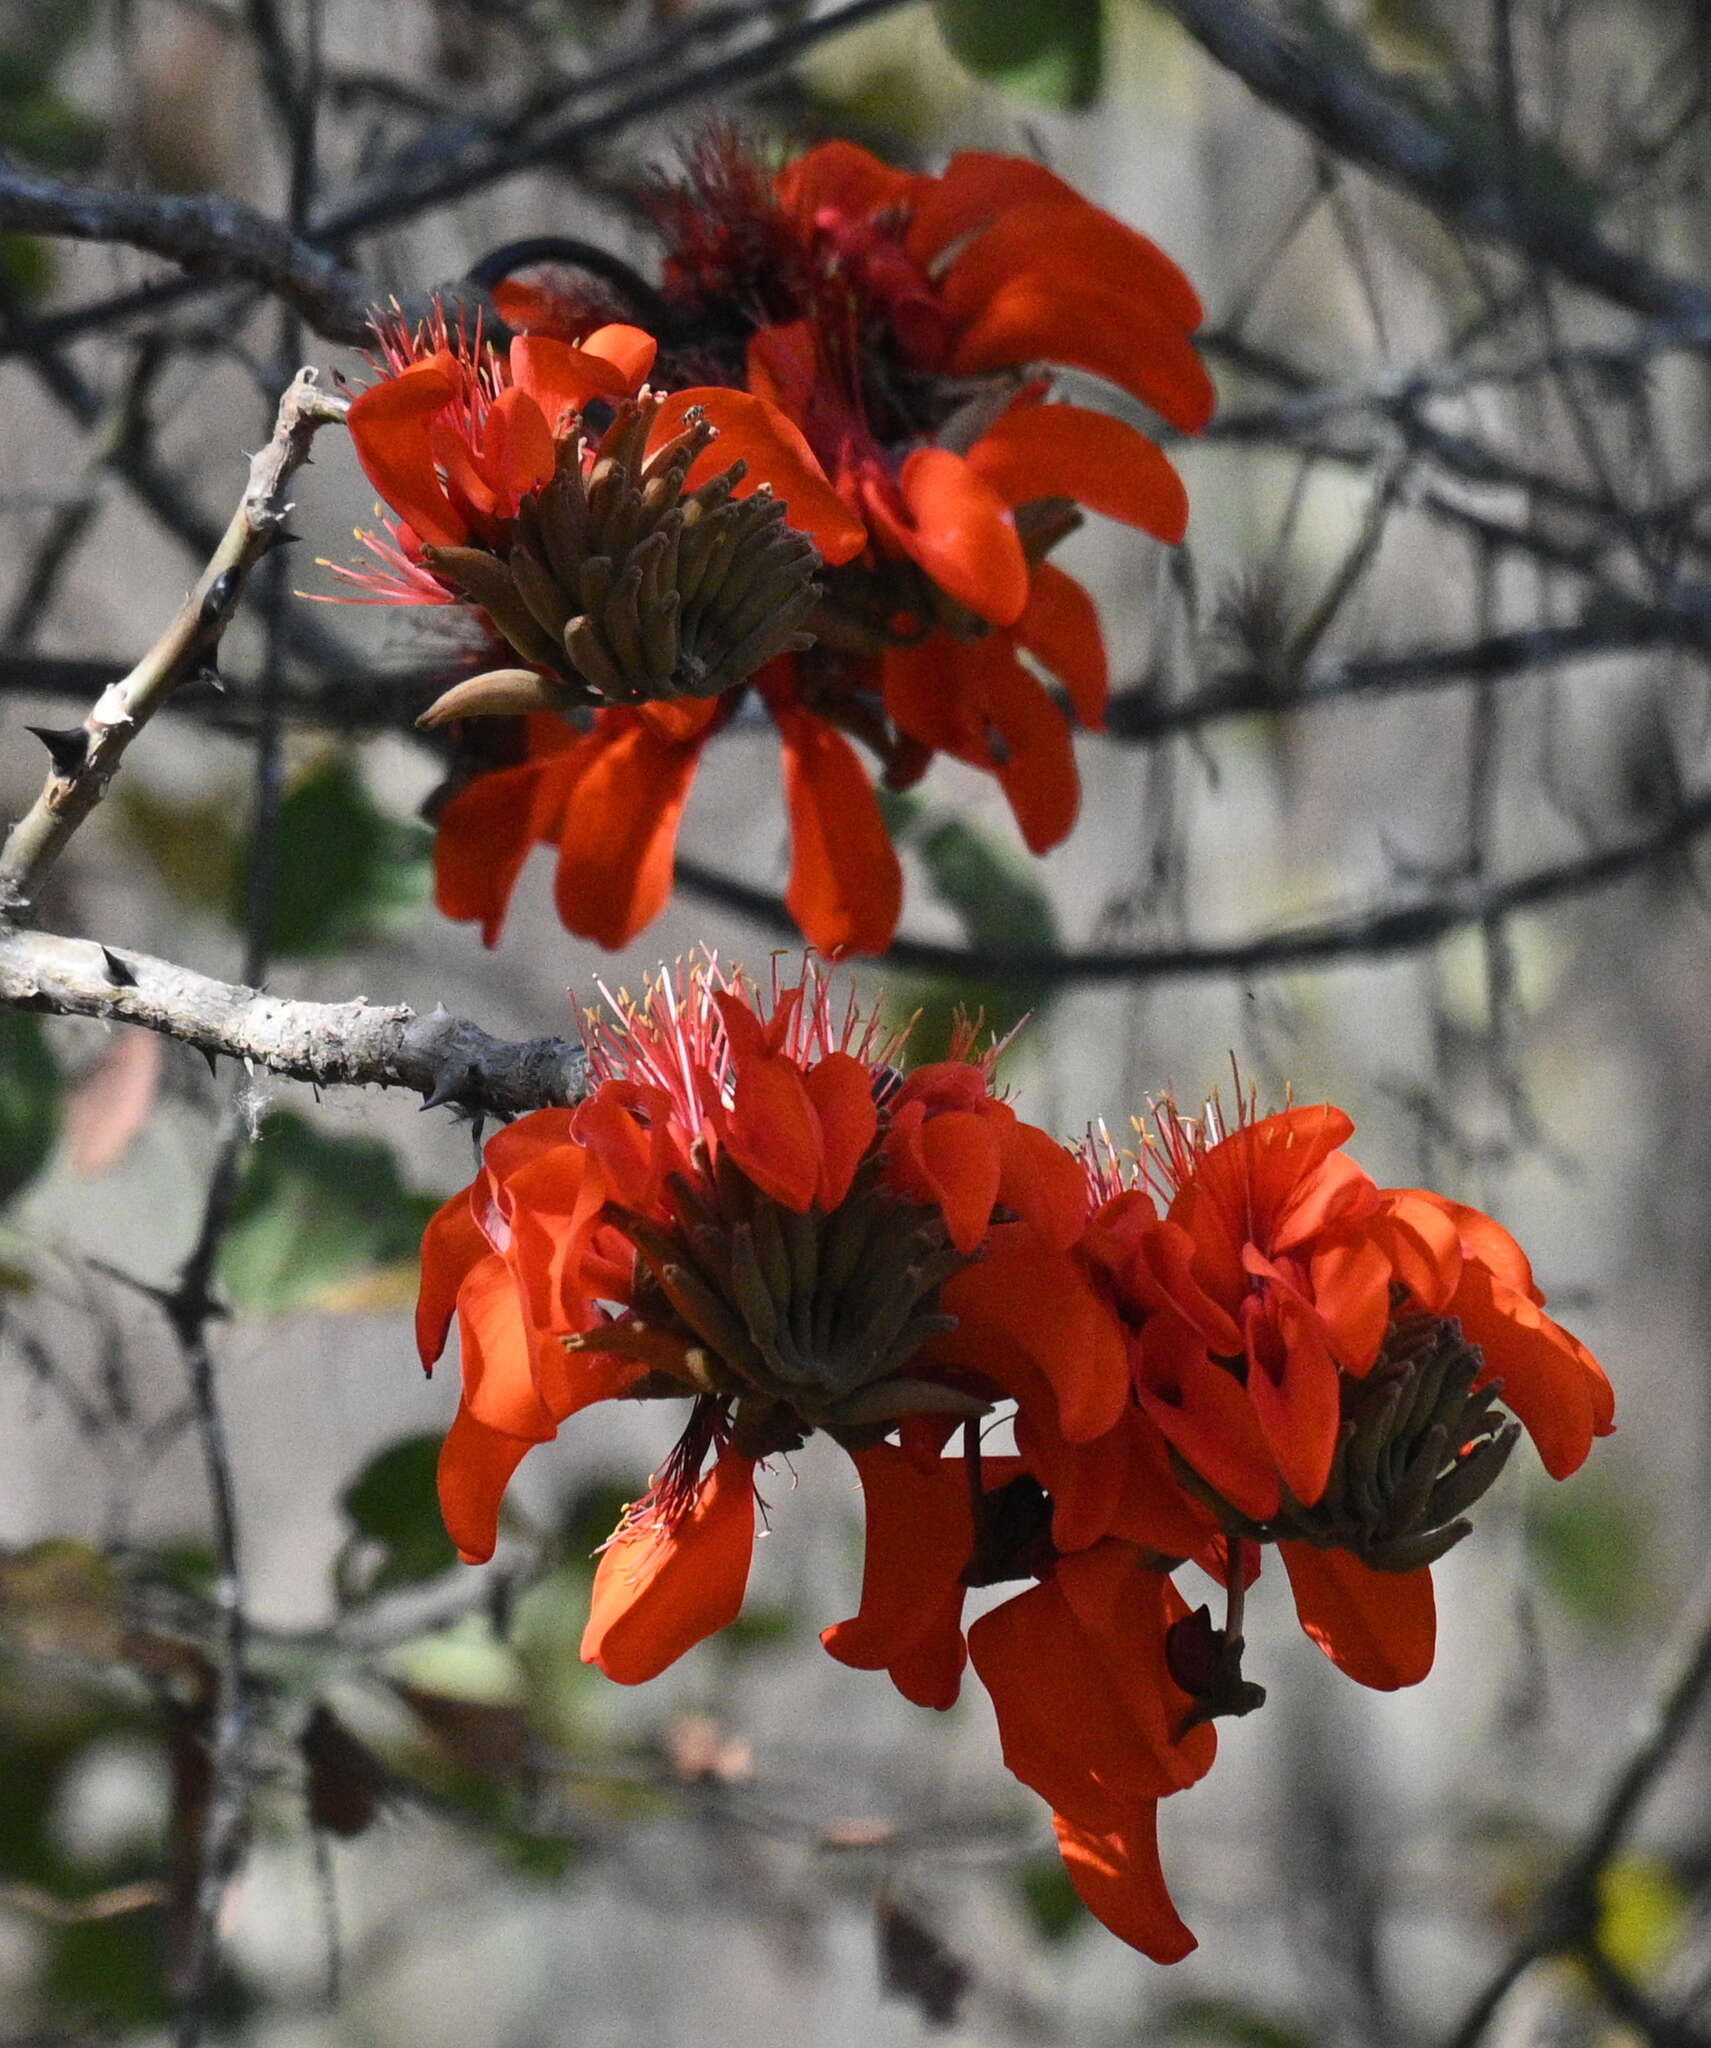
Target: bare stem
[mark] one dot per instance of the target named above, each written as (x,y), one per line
(81,771)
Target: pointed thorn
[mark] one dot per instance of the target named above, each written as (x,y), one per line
(118,972)
(448,1090)
(68,746)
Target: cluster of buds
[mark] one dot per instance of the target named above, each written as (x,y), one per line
(1231,1342)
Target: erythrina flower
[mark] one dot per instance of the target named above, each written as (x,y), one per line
(640,570)
(751,1212)
(1318,1361)
(897,322)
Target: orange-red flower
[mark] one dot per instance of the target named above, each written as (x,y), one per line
(1317,1361)
(751,1212)
(1242,1342)
(898,322)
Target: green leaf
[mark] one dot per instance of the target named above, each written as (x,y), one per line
(1050,51)
(29,1102)
(1050,1900)
(26,266)
(314,1211)
(1590,1545)
(1232,2024)
(346,870)
(393,1508)
(999,902)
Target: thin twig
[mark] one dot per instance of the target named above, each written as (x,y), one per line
(1566,1917)
(78,779)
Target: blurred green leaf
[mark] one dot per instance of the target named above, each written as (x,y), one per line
(312,1211)
(26,267)
(1050,51)
(1050,1900)
(999,901)
(29,1102)
(1590,1545)
(346,870)
(393,1507)
(1231,2024)
(36,121)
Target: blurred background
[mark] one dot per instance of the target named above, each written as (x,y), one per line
(1399,808)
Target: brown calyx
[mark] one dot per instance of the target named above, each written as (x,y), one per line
(802,1321)
(618,586)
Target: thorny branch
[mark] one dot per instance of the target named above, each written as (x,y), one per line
(356,1044)
(86,758)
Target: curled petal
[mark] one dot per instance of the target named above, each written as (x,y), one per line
(1066,451)
(1117,1876)
(476,1464)
(561,379)
(1551,1381)
(451,1245)
(1063,241)
(950,1160)
(1379,1627)
(1037,772)
(920,1536)
(1061,628)
(483,838)
(1027,1295)
(962,534)
(629,350)
(660,1590)
(841,1090)
(390,427)
(1090,328)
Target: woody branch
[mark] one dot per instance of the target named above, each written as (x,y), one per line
(86,758)
(357,1043)
(209,236)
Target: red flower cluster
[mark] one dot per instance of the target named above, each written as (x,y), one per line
(893,324)
(1241,1341)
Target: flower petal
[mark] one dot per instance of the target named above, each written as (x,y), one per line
(476,1464)
(1118,1877)
(962,534)
(846,885)
(625,793)
(389,427)
(1061,628)
(1063,241)
(1089,328)
(482,838)
(658,1592)
(1066,451)
(752,431)
(920,1536)
(1379,1627)
(451,1244)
